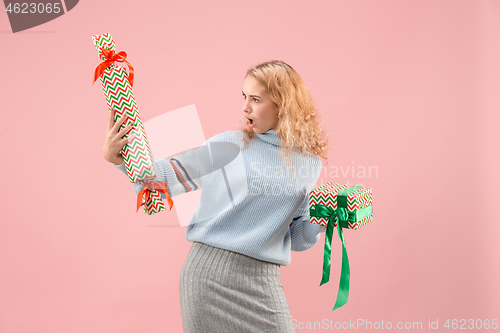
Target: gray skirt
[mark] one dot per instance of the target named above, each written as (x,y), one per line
(224,291)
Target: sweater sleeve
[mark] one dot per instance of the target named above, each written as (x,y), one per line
(182,173)
(304,234)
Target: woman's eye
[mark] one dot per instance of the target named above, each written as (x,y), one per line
(254,99)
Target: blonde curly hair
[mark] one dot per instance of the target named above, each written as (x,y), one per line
(297,128)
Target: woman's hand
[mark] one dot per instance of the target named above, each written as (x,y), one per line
(114,141)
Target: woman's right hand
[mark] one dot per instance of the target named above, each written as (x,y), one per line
(114,141)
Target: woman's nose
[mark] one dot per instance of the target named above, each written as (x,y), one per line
(246,108)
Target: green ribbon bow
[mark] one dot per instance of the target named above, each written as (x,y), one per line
(342,216)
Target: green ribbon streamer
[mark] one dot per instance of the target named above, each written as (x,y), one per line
(342,216)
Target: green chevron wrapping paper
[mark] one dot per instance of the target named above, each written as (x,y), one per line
(344,207)
(326,194)
(136,154)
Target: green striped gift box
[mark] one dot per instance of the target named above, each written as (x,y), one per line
(345,207)
(356,199)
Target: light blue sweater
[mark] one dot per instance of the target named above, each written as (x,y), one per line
(250,202)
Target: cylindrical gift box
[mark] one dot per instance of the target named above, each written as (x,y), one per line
(136,154)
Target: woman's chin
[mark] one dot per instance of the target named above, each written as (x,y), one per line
(253,128)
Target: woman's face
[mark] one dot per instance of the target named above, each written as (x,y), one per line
(258,108)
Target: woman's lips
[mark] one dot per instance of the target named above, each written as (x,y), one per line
(251,122)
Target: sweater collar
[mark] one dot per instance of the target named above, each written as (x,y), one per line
(270,136)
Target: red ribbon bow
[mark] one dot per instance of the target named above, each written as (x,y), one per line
(153,185)
(111,57)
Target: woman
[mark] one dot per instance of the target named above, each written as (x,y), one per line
(230,281)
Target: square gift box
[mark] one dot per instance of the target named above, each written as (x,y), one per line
(356,199)
(345,207)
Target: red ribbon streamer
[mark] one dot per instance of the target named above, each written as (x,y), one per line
(153,185)
(111,57)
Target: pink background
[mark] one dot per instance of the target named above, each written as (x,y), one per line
(410,88)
